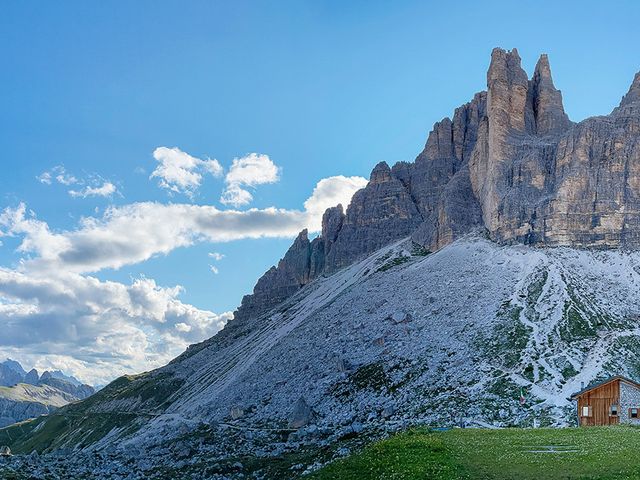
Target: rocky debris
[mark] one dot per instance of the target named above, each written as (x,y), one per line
(301,415)
(400,316)
(236,412)
(343,365)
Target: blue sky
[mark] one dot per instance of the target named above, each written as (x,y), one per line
(320,88)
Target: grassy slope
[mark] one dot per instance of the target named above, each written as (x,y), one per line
(601,453)
(81,423)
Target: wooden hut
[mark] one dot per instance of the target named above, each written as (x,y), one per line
(613,401)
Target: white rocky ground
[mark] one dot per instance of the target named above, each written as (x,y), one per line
(443,338)
(399,338)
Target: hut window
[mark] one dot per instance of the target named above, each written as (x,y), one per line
(586,411)
(633,412)
(613,412)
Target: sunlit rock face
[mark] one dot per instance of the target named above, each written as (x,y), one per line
(510,162)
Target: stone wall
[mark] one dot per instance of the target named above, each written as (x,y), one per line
(629,398)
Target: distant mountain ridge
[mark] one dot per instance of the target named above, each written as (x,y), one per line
(12,373)
(26,395)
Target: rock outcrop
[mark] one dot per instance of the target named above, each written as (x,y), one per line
(510,162)
(278,283)
(380,213)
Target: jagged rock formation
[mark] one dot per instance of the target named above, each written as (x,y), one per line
(11,373)
(381,212)
(32,377)
(510,162)
(295,270)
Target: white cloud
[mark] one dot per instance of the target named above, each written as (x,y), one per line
(136,232)
(64,178)
(179,172)
(59,174)
(106,190)
(183,327)
(236,196)
(94,185)
(330,192)
(249,171)
(44,177)
(133,327)
(214,269)
(97,329)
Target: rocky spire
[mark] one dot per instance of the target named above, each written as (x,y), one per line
(508,85)
(546,100)
(381,173)
(331,224)
(630,103)
(440,141)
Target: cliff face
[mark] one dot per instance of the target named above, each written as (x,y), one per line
(510,162)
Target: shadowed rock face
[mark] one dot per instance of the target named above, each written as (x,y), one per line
(510,162)
(279,283)
(380,213)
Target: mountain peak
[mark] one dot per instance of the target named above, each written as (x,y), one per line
(543,69)
(631,101)
(507,86)
(506,66)
(380,173)
(546,100)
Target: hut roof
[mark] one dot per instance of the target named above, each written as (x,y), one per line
(604,382)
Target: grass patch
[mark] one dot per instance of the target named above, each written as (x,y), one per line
(605,453)
(411,455)
(509,337)
(371,376)
(395,261)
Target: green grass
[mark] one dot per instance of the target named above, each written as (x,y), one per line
(603,453)
(82,423)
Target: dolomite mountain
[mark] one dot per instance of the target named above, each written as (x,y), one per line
(503,259)
(510,162)
(25,395)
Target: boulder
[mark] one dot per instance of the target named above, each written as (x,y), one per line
(301,415)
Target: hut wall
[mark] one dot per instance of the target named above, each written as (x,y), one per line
(600,400)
